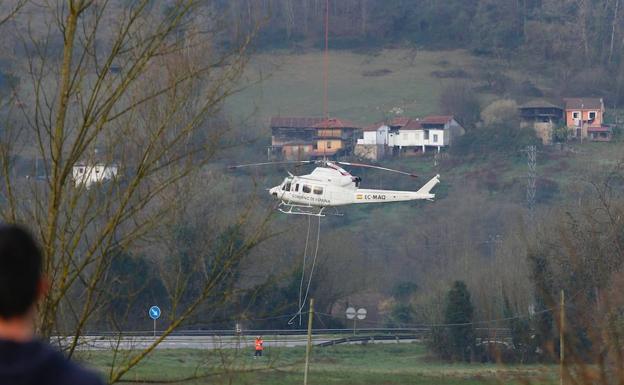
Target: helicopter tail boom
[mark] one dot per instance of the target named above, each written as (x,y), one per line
(372,196)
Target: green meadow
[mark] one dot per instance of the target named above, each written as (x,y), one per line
(386,364)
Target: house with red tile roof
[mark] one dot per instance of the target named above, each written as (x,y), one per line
(585,119)
(302,138)
(407,136)
(429,133)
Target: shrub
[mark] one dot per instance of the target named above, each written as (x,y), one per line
(503,111)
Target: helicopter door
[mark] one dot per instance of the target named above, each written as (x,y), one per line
(322,192)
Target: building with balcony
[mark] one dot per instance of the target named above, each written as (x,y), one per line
(303,138)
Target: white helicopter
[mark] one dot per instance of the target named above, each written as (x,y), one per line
(329,185)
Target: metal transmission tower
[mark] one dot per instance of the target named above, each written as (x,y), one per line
(531,179)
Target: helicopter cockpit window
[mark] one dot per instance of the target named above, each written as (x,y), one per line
(318,190)
(286,184)
(307,189)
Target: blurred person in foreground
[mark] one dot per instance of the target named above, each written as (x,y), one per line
(24,360)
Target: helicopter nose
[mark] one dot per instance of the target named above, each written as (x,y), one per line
(273,191)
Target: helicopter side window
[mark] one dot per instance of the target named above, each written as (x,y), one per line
(297,187)
(318,190)
(307,189)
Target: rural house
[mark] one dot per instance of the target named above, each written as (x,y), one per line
(542,116)
(88,174)
(302,138)
(405,136)
(585,119)
(374,142)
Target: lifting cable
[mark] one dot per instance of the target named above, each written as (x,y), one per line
(303,266)
(302,302)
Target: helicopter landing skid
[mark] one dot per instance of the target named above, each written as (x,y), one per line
(315,211)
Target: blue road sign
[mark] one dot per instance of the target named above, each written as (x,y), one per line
(154,312)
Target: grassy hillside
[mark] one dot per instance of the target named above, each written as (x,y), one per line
(362,87)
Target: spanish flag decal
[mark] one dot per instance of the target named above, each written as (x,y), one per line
(358,196)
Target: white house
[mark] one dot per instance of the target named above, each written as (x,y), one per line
(373,143)
(405,136)
(375,134)
(90,174)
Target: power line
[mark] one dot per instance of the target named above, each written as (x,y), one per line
(455,324)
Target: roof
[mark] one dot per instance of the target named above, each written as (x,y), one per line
(294,122)
(399,121)
(602,128)
(413,124)
(539,103)
(335,123)
(583,103)
(437,119)
(373,127)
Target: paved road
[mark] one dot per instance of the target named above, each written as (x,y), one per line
(201,342)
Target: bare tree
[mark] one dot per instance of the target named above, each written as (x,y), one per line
(120,105)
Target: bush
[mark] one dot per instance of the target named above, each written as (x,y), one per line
(503,111)
(498,138)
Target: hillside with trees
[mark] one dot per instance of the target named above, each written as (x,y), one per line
(174,92)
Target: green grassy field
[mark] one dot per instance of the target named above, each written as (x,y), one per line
(293,84)
(358,364)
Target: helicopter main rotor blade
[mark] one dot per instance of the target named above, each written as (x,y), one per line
(378,168)
(235,166)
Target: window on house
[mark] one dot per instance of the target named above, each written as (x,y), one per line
(576,115)
(318,190)
(328,144)
(307,189)
(81,170)
(435,138)
(426,134)
(592,115)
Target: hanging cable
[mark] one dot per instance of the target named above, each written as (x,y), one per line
(303,266)
(326,64)
(305,298)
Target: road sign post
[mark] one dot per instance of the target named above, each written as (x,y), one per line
(350,313)
(154,313)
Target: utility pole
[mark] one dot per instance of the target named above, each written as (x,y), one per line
(309,344)
(561,337)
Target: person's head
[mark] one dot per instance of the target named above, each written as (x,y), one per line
(20,271)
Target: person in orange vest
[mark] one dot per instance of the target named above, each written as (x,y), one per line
(259,347)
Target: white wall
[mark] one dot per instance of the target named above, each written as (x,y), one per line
(380,136)
(409,138)
(91,174)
